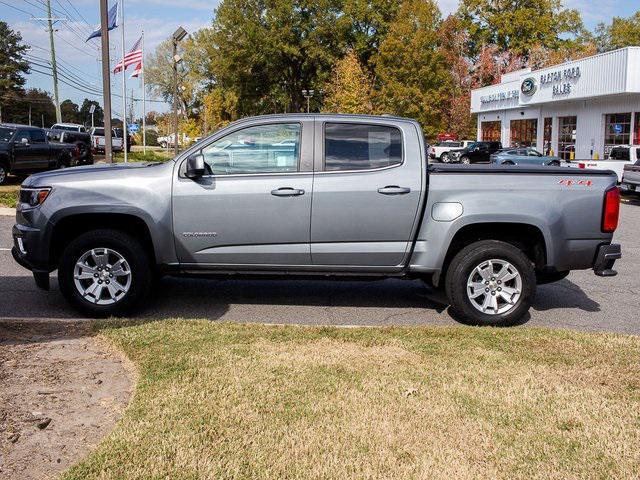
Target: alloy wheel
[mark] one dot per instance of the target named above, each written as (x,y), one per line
(494,287)
(102,276)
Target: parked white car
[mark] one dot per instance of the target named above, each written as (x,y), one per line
(619,156)
(168,140)
(440,151)
(69,127)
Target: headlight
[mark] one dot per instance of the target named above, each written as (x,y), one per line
(34,196)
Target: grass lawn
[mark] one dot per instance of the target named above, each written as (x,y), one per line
(139,156)
(250,401)
(9,195)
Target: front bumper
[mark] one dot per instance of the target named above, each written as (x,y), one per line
(606,256)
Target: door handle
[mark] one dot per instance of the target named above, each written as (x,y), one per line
(287,192)
(394,190)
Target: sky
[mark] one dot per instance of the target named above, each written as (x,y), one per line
(158,19)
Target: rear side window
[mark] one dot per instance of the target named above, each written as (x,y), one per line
(638,156)
(620,154)
(38,136)
(350,146)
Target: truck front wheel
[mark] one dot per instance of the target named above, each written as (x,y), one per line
(104,272)
(490,283)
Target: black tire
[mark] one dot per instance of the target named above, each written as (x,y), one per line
(129,248)
(461,267)
(445,158)
(465,160)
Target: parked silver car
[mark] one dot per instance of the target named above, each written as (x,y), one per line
(523,156)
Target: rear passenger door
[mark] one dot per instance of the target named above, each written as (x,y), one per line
(366,192)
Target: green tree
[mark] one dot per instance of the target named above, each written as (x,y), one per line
(70,112)
(13,66)
(34,101)
(622,32)
(85,116)
(411,68)
(516,27)
(350,88)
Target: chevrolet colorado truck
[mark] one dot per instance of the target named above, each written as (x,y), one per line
(317,196)
(24,150)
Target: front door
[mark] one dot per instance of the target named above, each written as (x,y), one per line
(31,152)
(253,207)
(366,194)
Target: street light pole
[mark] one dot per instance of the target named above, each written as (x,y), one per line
(178,35)
(308,94)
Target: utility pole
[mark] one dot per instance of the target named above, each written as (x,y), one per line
(54,68)
(106,79)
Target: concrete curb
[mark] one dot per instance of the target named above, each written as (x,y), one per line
(7,212)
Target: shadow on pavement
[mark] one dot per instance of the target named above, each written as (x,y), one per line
(563,294)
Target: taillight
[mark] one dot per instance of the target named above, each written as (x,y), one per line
(582,165)
(611,210)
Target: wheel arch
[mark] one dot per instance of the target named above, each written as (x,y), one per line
(525,236)
(70,226)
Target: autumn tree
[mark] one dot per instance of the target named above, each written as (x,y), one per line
(515,27)
(219,107)
(456,114)
(622,32)
(411,69)
(349,89)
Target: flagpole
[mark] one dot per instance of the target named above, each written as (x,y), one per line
(144,107)
(124,87)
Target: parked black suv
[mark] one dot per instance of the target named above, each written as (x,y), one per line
(477,152)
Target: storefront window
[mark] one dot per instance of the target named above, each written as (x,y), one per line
(617,130)
(566,136)
(636,133)
(547,134)
(490,131)
(524,133)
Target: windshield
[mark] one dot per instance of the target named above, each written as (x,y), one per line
(6,134)
(99,132)
(472,145)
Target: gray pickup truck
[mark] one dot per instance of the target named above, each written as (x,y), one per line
(320,196)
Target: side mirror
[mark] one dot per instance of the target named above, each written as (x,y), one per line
(195,166)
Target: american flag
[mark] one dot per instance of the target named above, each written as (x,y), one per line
(137,70)
(133,57)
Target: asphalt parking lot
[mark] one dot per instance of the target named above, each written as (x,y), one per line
(582,301)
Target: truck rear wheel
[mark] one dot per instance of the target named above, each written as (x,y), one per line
(104,273)
(490,283)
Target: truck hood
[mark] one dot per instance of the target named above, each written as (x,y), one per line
(89,172)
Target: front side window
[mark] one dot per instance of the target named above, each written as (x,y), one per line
(350,146)
(271,148)
(22,134)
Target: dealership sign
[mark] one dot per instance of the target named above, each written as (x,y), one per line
(560,80)
(499,96)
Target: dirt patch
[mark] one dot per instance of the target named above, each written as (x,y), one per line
(61,391)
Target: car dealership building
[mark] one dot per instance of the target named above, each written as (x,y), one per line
(583,107)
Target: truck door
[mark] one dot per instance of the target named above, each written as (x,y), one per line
(29,156)
(366,192)
(253,207)
(40,150)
